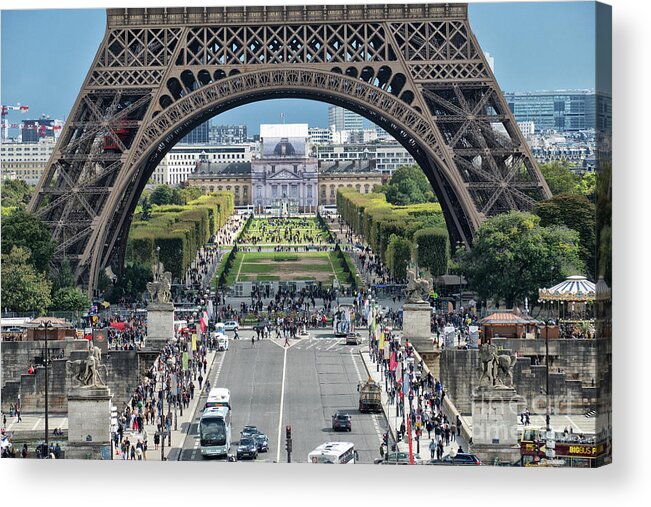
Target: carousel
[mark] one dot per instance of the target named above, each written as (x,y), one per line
(571,305)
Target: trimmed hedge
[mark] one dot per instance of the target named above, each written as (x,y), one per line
(433,250)
(371,216)
(179,231)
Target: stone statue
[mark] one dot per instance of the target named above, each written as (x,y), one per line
(417,288)
(85,372)
(496,369)
(160,288)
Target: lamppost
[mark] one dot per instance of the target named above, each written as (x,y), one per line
(45,325)
(547,416)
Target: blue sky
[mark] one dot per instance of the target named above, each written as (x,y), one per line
(540,45)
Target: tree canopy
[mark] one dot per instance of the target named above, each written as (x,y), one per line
(513,256)
(409,185)
(574,212)
(16,193)
(70,299)
(164,194)
(24,289)
(23,229)
(558,176)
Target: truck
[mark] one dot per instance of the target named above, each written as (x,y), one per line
(370,396)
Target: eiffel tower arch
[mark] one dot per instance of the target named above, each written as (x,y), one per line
(415,70)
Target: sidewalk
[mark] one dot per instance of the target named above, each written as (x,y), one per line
(394,421)
(184,422)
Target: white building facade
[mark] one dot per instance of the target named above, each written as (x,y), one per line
(285,174)
(25,161)
(388,156)
(181,160)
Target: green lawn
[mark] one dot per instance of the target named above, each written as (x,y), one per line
(284,231)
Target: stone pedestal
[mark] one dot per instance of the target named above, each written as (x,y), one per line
(494,424)
(89,423)
(160,325)
(416,325)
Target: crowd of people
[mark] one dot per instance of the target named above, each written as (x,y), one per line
(295,230)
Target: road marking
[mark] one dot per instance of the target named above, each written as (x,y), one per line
(311,345)
(282,400)
(335,344)
(36,424)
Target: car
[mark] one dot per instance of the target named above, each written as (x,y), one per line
(249,431)
(460,459)
(262,441)
(400,458)
(231,325)
(247,448)
(341,421)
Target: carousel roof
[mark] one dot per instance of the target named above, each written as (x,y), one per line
(574,288)
(506,318)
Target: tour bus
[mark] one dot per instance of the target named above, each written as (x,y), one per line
(215,431)
(334,453)
(218,397)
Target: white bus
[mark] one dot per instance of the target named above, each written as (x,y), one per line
(215,432)
(334,453)
(218,397)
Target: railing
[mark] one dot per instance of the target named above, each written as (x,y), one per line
(282,14)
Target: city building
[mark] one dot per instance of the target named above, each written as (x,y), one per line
(388,156)
(200,135)
(181,160)
(343,119)
(31,131)
(560,110)
(578,148)
(320,135)
(285,174)
(25,161)
(491,60)
(228,134)
(233,176)
(360,174)
(527,128)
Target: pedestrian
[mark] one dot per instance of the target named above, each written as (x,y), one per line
(200,380)
(286,341)
(156,440)
(432,449)
(18,414)
(439,450)
(429,427)
(458,426)
(23,451)
(253,340)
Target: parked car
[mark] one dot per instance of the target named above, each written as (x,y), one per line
(231,325)
(249,431)
(341,421)
(460,459)
(247,448)
(262,441)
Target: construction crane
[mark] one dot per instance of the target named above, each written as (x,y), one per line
(5,113)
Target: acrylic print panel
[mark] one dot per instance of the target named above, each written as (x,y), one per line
(414,269)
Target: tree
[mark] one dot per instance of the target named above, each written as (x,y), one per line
(574,212)
(409,185)
(70,299)
(65,277)
(587,186)
(146,209)
(16,193)
(398,255)
(433,250)
(162,194)
(558,176)
(513,256)
(190,193)
(24,289)
(25,230)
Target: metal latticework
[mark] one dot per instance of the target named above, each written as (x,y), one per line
(415,70)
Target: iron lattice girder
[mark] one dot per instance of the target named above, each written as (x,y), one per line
(417,70)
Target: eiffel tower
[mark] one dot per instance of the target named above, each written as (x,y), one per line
(415,70)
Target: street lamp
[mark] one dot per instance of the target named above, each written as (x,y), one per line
(45,325)
(547,416)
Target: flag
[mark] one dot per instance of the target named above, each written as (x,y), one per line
(184,361)
(202,324)
(382,340)
(194,341)
(393,362)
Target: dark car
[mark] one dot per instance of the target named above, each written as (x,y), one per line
(341,421)
(397,458)
(460,459)
(247,449)
(249,431)
(261,441)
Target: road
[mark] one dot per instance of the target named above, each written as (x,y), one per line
(302,385)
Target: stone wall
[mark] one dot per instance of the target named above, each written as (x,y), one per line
(123,369)
(16,357)
(569,395)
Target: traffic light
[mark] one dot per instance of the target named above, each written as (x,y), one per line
(385,438)
(288,432)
